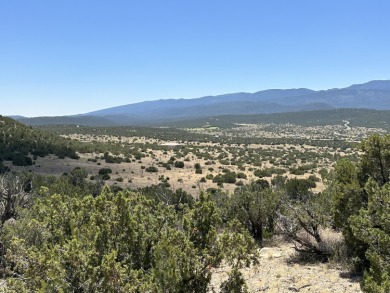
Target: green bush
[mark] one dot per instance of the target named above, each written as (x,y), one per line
(209,176)
(104,171)
(151,169)
(20,160)
(229,177)
(106,177)
(118,243)
(241,175)
(179,164)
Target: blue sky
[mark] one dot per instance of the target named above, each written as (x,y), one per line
(69,56)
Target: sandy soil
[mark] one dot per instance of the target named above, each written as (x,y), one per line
(277,272)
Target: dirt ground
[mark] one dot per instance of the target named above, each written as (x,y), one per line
(278,272)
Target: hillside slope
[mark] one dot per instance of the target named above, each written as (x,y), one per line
(18,142)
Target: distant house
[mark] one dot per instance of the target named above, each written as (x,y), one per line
(172,145)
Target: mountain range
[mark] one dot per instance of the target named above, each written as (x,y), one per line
(371,95)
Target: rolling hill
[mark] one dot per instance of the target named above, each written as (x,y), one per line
(20,143)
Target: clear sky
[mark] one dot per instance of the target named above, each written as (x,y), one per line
(62,57)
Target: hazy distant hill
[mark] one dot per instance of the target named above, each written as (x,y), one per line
(67,120)
(372,85)
(370,95)
(378,99)
(229,104)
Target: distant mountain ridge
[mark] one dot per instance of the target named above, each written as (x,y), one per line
(371,95)
(372,85)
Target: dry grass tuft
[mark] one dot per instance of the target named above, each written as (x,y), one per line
(333,247)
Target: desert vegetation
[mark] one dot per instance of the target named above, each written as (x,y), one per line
(134,209)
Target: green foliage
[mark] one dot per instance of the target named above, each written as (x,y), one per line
(240,183)
(228,177)
(237,240)
(234,284)
(179,199)
(361,205)
(279,181)
(262,183)
(267,172)
(77,176)
(241,175)
(20,160)
(262,173)
(253,206)
(348,198)
(301,170)
(104,171)
(18,141)
(175,265)
(112,159)
(372,227)
(3,169)
(73,184)
(375,161)
(347,193)
(119,242)
(299,189)
(179,164)
(324,173)
(313,178)
(151,169)
(209,176)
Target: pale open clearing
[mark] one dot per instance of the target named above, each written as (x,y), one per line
(277,272)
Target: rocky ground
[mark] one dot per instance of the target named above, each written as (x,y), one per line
(279,271)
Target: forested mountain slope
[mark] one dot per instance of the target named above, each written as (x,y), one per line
(371,95)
